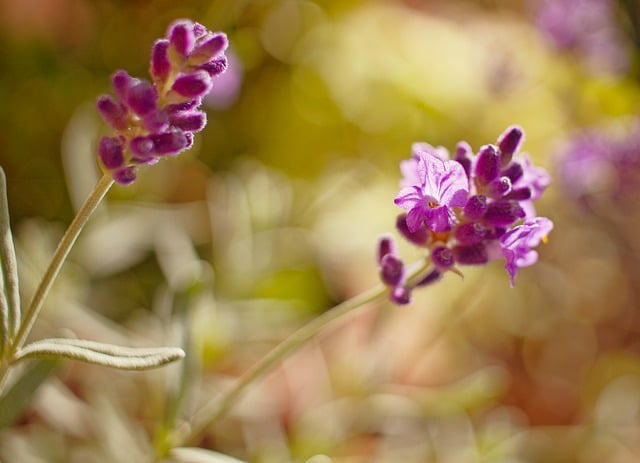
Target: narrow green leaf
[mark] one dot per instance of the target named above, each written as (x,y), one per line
(9,264)
(109,355)
(15,400)
(197,455)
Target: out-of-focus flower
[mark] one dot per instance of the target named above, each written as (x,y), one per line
(466,211)
(587,28)
(228,85)
(602,163)
(158,118)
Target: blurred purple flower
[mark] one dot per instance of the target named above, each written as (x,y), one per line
(158,118)
(588,28)
(227,87)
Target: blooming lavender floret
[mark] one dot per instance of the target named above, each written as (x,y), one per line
(468,210)
(157,118)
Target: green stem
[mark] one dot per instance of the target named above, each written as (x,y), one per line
(219,406)
(58,259)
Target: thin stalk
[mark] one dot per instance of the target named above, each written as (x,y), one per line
(219,406)
(59,257)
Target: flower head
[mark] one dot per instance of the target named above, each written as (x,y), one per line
(157,118)
(469,210)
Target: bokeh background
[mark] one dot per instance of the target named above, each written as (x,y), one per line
(273,217)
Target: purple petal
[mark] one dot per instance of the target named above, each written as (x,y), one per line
(509,143)
(516,244)
(125,175)
(122,82)
(391,270)
(208,48)
(487,167)
(216,66)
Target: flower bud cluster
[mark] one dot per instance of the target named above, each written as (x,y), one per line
(468,210)
(157,118)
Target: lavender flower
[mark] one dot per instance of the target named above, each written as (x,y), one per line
(466,211)
(155,119)
(587,28)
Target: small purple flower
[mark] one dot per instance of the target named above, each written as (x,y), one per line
(440,186)
(516,244)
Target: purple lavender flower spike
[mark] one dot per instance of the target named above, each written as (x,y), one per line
(509,143)
(159,118)
(111,152)
(516,244)
(160,66)
(496,221)
(441,186)
(193,85)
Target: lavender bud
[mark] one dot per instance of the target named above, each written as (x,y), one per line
(391,270)
(514,171)
(420,237)
(499,187)
(189,121)
(142,150)
(194,85)
(156,121)
(470,232)
(169,143)
(208,48)
(182,38)
(401,295)
(142,98)
(112,112)
(520,194)
(385,246)
(216,66)
(503,213)
(487,164)
(475,254)
(122,82)
(442,257)
(160,66)
(463,156)
(476,207)
(125,176)
(184,106)
(509,143)
(111,152)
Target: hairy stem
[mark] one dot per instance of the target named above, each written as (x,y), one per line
(59,257)
(219,406)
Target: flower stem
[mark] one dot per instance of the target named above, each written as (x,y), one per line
(58,259)
(220,405)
